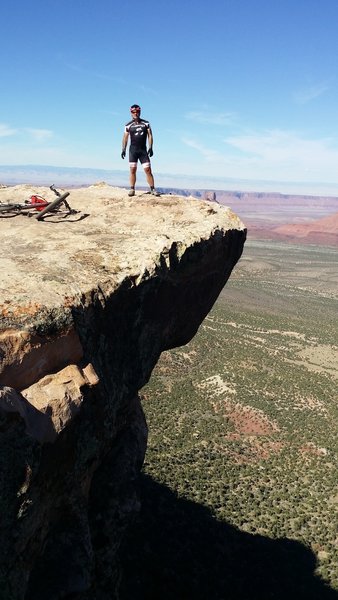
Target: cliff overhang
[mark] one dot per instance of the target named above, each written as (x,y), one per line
(88,304)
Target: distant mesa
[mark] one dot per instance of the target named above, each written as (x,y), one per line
(210,196)
(322,231)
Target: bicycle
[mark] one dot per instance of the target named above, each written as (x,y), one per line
(37,204)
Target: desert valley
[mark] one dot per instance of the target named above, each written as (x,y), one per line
(239,490)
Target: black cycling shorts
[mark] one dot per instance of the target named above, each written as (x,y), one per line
(140,154)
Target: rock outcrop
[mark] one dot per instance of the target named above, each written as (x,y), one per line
(88,303)
(210,196)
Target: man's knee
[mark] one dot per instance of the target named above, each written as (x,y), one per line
(147,169)
(133,169)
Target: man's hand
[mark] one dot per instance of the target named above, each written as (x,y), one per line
(150,152)
(123,153)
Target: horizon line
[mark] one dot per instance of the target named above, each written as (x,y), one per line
(182,181)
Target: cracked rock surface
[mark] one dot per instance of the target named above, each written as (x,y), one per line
(88,302)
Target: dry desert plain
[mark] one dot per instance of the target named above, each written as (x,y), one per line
(239,488)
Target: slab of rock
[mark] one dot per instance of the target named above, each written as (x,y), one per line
(88,302)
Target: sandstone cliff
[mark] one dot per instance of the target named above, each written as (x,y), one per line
(88,303)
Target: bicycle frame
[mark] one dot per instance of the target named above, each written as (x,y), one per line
(42,208)
(18,207)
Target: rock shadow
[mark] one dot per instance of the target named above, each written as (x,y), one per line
(177,550)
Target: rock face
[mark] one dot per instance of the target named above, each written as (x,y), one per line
(88,303)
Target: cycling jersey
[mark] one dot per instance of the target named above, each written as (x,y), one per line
(138,131)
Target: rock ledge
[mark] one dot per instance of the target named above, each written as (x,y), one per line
(88,303)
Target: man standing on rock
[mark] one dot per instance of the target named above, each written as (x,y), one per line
(139,130)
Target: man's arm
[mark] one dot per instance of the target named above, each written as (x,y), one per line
(150,141)
(124,143)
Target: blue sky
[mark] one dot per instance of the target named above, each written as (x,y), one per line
(233,89)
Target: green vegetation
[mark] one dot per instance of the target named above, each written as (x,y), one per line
(243,442)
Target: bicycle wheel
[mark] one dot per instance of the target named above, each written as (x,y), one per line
(10,209)
(52,206)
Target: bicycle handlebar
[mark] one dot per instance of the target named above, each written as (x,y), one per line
(53,188)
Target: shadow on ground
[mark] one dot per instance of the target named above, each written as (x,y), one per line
(177,550)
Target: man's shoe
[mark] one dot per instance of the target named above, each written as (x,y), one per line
(131,192)
(154,192)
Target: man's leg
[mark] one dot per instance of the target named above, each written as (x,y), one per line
(144,159)
(132,176)
(132,179)
(149,176)
(150,180)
